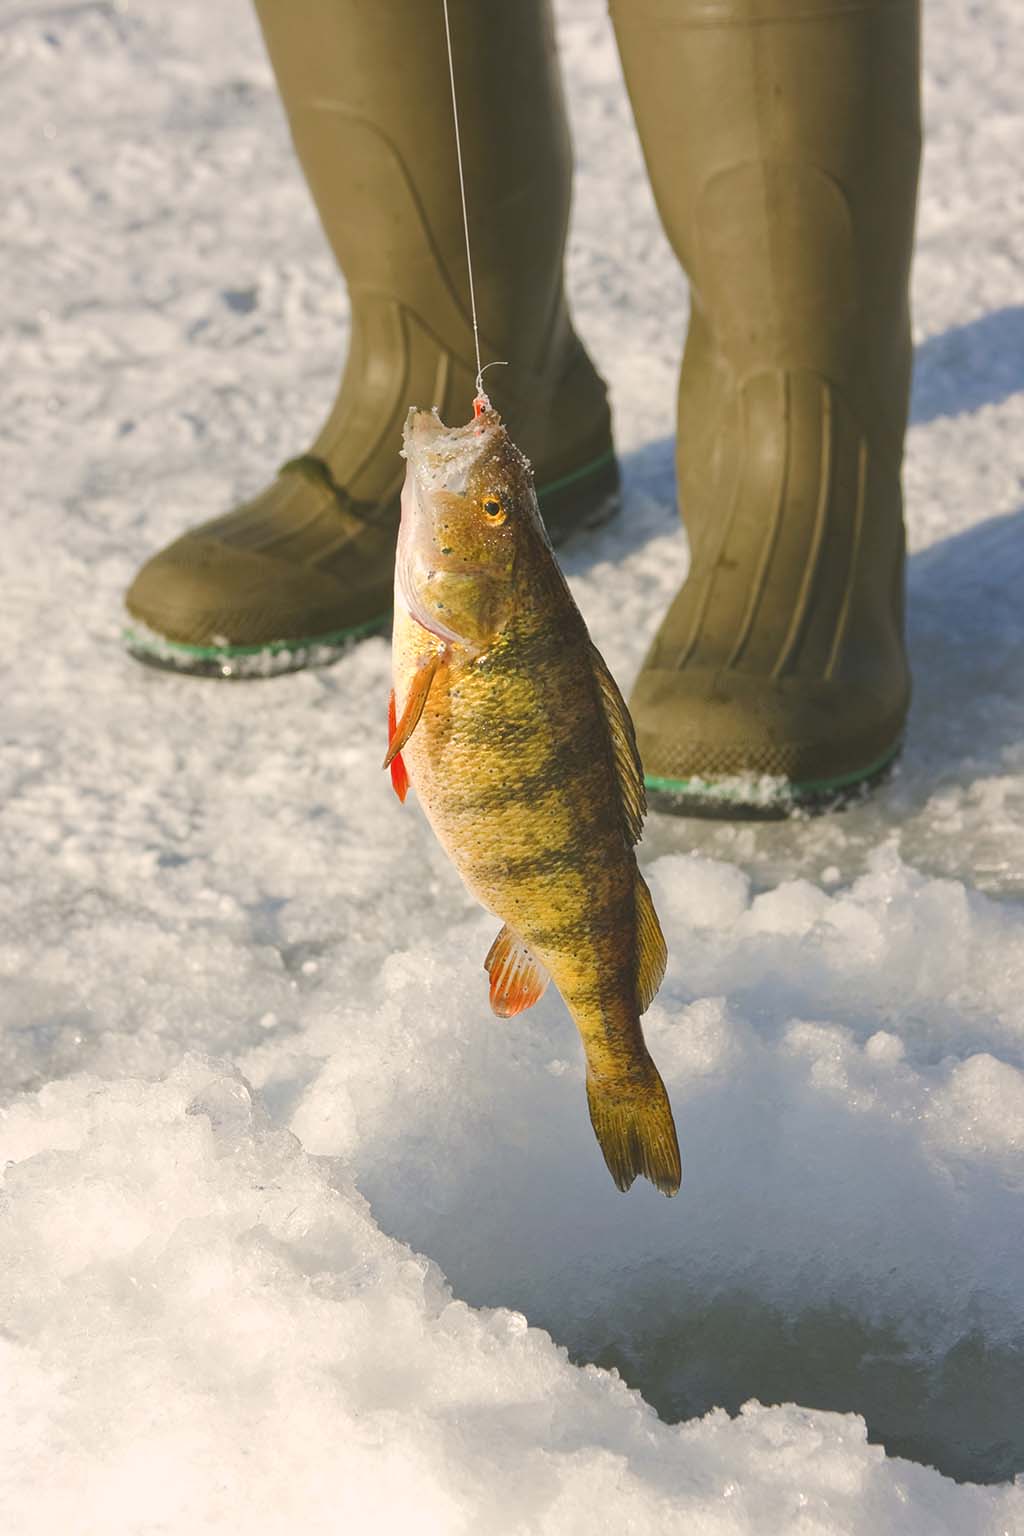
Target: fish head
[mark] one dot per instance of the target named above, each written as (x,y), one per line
(469,514)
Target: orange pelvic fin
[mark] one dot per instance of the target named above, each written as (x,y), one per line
(399,773)
(517,979)
(399,734)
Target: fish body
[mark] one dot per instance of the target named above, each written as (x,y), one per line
(511,730)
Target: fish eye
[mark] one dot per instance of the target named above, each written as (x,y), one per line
(493,510)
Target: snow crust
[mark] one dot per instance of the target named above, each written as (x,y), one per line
(286,1213)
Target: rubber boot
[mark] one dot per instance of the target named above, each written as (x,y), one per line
(782,139)
(293,575)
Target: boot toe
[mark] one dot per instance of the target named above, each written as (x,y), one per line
(701,724)
(200,592)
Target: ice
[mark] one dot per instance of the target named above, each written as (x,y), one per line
(849,1102)
(294,1235)
(206,1329)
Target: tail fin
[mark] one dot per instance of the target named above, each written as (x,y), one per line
(633,1123)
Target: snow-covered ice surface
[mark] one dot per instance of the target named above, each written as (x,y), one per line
(270,1159)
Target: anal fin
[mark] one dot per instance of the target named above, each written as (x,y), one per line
(518,980)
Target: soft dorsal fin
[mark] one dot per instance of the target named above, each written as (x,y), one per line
(628,768)
(518,980)
(651,949)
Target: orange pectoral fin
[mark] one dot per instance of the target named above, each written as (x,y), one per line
(399,734)
(399,775)
(517,979)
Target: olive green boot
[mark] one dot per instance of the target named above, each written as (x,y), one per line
(292,576)
(782,139)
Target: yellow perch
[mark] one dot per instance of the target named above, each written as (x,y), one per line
(517,741)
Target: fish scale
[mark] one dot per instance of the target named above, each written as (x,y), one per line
(520,750)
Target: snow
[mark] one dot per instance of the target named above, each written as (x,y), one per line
(222,1338)
(294,1236)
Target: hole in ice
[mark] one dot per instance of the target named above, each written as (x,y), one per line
(954,1406)
(848,1083)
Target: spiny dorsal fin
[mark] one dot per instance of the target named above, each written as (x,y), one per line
(628,767)
(518,980)
(651,949)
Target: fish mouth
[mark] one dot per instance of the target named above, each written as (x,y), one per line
(442,458)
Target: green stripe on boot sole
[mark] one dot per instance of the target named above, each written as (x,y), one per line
(765,797)
(269,659)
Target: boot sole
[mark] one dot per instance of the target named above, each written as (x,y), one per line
(766,798)
(243,662)
(577,503)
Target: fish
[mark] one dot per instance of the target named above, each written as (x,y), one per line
(508,725)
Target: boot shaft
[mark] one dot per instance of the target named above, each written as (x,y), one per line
(782,139)
(366,89)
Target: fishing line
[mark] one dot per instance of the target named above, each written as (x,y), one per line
(465,216)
